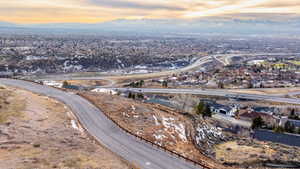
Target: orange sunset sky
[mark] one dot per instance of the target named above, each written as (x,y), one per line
(90,11)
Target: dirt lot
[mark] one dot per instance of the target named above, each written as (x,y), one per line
(88,82)
(39,132)
(253,153)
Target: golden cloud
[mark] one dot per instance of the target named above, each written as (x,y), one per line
(45,11)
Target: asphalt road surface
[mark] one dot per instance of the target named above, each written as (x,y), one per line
(222,93)
(106,132)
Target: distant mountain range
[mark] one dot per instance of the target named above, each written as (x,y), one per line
(7,24)
(217,25)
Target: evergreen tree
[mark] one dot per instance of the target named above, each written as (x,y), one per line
(257,123)
(279,129)
(140,95)
(207,112)
(133,96)
(65,84)
(289,127)
(165,84)
(203,109)
(200,108)
(129,95)
(142,82)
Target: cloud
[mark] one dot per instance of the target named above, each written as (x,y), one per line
(230,7)
(285,3)
(133,5)
(89,11)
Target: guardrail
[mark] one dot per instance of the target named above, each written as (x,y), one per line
(197,163)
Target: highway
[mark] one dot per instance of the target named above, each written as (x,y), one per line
(198,63)
(222,93)
(106,132)
(292,94)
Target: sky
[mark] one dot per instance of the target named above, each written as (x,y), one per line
(92,11)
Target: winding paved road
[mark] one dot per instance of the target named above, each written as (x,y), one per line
(106,132)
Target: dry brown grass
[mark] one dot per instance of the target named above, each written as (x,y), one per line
(88,82)
(10,105)
(231,152)
(252,152)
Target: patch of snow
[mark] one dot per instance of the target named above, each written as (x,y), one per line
(173,78)
(140,67)
(179,128)
(38,70)
(53,83)
(74,125)
(142,71)
(125,114)
(120,63)
(159,138)
(156,121)
(71,66)
(133,108)
(204,133)
(107,91)
(31,57)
